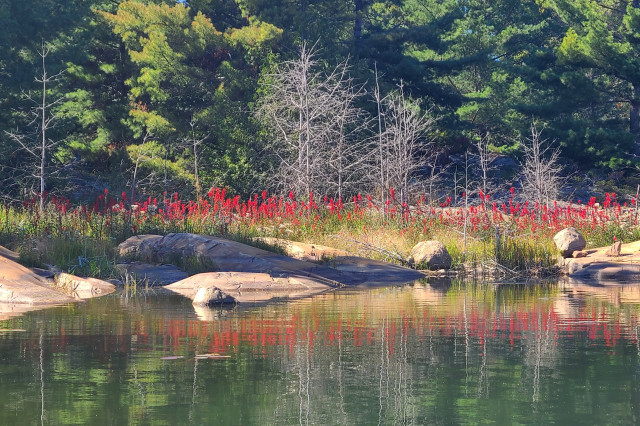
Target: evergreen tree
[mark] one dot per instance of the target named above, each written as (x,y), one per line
(184,71)
(602,41)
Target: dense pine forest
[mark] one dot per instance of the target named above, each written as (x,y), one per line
(318,96)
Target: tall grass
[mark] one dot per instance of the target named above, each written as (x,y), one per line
(514,234)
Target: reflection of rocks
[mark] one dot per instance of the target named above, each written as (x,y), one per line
(615,293)
(440,283)
(568,306)
(428,294)
(10,310)
(207,313)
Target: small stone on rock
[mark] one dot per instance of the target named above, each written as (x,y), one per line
(615,249)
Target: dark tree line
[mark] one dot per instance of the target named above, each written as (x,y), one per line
(155,95)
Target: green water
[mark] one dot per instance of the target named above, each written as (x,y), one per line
(437,353)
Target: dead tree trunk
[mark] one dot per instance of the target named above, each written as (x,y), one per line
(42,120)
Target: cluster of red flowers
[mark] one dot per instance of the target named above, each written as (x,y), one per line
(311,215)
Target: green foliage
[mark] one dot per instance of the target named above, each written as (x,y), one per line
(141,70)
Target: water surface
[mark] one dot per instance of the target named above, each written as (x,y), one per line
(426,353)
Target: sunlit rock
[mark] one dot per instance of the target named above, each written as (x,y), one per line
(431,253)
(569,240)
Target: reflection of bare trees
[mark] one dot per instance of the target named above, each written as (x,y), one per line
(540,351)
(403,355)
(41,379)
(304,381)
(395,383)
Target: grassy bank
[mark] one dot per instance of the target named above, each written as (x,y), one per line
(511,235)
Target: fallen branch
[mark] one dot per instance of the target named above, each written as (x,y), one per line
(371,247)
(505,271)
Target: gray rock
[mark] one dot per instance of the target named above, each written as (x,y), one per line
(231,256)
(431,253)
(152,274)
(569,240)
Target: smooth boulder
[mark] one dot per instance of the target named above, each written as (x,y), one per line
(569,240)
(431,253)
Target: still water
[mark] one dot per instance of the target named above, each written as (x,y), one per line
(427,353)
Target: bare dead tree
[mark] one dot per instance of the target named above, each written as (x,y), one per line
(295,108)
(432,180)
(144,156)
(193,143)
(484,157)
(38,143)
(316,130)
(349,152)
(408,144)
(541,176)
(138,156)
(382,154)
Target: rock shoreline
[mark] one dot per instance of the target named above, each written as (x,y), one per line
(604,265)
(23,290)
(243,274)
(246,274)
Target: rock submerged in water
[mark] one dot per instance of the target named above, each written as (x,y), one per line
(431,253)
(569,240)
(83,288)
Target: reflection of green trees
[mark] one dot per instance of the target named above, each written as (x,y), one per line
(415,354)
